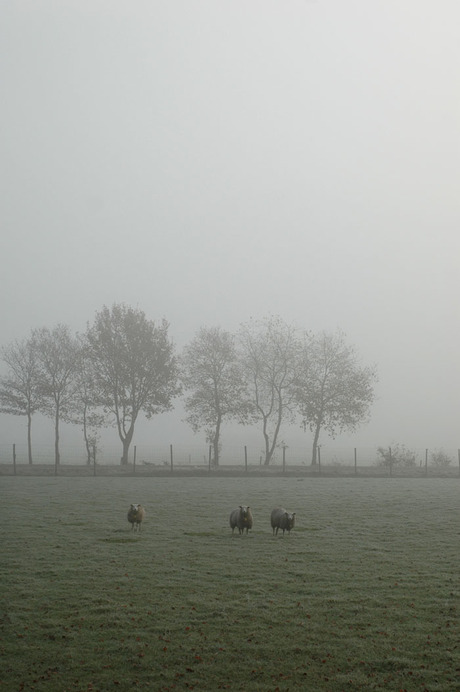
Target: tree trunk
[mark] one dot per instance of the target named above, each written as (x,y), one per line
(57,456)
(216,441)
(270,449)
(125,437)
(314,456)
(126,441)
(85,437)
(268,454)
(29,436)
(124,457)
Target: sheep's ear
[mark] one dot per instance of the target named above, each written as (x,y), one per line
(293,514)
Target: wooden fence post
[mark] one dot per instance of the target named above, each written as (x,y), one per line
(171,457)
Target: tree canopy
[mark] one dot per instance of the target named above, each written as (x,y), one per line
(19,391)
(217,391)
(135,368)
(270,361)
(334,391)
(58,360)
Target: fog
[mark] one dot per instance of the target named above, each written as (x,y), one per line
(211,161)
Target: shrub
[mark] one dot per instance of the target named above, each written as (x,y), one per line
(397,455)
(440,458)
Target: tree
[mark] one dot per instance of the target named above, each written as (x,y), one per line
(58,360)
(86,411)
(19,391)
(334,392)
(270,358)
(135,369)
(212,373)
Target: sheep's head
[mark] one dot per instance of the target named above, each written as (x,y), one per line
(134,508)
(244,512)
(290,519)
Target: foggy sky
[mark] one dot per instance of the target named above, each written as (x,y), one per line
(211,161)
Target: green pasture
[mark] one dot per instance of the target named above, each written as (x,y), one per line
(363,595)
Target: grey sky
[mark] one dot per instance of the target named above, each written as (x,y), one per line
(208,161)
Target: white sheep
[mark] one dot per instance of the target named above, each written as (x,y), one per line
(241,518)
(136,516)
(280,519)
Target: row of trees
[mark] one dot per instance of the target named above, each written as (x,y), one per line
(267,374)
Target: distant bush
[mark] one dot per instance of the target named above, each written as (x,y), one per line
(440,458)
(397,455)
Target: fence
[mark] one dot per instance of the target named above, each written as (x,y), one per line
(179,459)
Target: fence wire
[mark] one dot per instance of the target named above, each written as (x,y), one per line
(333,460)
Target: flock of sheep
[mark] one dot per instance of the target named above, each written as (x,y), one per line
(240,518)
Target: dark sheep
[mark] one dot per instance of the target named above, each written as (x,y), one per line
(241,518)
(136,516)
(280,519)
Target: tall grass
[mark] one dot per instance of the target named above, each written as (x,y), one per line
(362,595)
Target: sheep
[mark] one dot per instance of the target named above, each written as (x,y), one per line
(136,516)
(280,519)
(241,518)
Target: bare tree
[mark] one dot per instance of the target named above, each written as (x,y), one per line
(58,359)
(19,390)
(334,392)
(212,372)
(135,369)
(270,358)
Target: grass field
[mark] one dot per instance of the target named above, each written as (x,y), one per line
(363,594)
